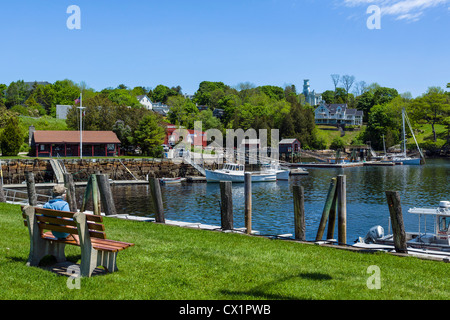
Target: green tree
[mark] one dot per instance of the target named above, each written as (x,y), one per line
(273,92)
(337,144)
(11,138)
(3,88)
(123,97)
(149,136)
(383,120)
(431,107)
(16,93)
(162,93)
(208,120)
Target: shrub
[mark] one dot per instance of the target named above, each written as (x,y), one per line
(337,144)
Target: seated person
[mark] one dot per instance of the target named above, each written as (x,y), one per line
(58,202)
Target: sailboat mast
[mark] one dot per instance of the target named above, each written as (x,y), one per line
(404,132)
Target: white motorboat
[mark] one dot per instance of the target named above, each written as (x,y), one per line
(236,173)
(431,244)
(298,171)
(282,174)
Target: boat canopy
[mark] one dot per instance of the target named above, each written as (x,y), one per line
(233,167)
(443,209)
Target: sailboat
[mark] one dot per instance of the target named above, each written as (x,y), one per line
(403,158)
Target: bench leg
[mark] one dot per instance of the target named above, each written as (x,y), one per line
(42,248)
(92,259)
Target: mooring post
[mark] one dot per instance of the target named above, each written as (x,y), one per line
(31,188)
(95,195)
(155,190)
(332,218)
(299,213)
(342,208)
(87,194)
(71,196)
(326,210)
(105,194)
(398,228)
(226,206)
(248,202)
(2,193)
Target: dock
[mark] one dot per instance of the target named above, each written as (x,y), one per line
(344,164)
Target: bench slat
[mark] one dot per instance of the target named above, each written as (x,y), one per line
(71,230)
(66,214)
(91,225)
(98,244)
(69,222)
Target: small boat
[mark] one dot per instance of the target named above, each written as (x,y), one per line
(171,180)
(432,244)
(236,173)
(298,171)
(282,173)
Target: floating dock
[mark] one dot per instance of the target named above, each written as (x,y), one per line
(343,164)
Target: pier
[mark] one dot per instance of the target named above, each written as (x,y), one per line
(343,164)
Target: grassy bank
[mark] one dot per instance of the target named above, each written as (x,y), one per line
(174,263)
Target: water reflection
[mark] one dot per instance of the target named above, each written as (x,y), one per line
(419,186)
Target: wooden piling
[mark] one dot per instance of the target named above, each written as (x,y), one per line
(71,196)
(226,206)
(87,195)
(2,193)
(398,228)
(326,210)
(31,188)
(155,191)
(299,213)
(342,208)
(332,218)
(95,195)
(106,194)
(248,202)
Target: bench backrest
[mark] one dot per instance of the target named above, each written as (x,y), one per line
(63,221)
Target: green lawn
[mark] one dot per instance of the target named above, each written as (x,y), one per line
(328,133)
(173,263)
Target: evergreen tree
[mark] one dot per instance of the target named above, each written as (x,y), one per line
(11,138)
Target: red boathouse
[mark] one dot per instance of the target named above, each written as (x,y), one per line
(67,144)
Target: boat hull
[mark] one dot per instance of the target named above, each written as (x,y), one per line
(217,176)
(407,161)
(283,175)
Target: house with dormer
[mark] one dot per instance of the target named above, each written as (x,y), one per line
(145,101)
(337,114)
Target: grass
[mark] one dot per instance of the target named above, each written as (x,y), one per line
(328,133)
(173,263)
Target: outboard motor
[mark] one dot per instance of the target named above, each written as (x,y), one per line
(374,233)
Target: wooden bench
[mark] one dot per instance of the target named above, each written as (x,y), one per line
(86,231)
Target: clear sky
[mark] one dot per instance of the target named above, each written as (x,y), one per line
(264,42)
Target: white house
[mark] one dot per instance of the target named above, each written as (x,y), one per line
(337,114)
(145,101)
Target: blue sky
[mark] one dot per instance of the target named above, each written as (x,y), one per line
(264,42)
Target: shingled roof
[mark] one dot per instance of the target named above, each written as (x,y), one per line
(61,137)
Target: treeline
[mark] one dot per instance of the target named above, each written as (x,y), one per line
(247,106)
(240,107)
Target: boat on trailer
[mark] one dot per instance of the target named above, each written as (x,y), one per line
(435,244)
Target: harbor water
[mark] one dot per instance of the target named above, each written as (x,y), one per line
(273,208)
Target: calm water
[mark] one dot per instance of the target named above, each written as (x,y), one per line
(272,212)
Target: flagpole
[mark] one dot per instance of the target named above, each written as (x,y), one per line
(81,125)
